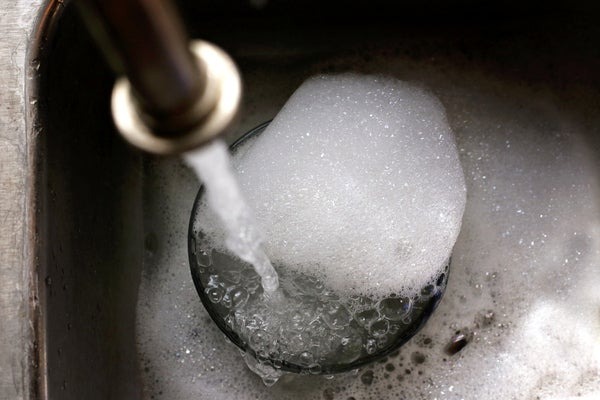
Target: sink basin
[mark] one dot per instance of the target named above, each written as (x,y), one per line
(105,212)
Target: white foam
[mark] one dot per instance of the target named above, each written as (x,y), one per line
(357,180)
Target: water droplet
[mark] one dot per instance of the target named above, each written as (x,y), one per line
(214,294)
(371,346)
(239,297)
(379,328)
(395,308)
(364,318)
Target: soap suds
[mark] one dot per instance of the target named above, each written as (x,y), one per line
(360,214)
(522,288)
(356,181)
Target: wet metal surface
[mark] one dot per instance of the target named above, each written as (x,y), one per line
(16,24)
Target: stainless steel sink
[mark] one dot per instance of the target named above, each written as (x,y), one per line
(90,226)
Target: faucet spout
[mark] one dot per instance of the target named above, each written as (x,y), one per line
(171,96)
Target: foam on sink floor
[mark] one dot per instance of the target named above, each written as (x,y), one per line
(522,292)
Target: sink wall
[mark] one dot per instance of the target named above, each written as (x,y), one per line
(88,222)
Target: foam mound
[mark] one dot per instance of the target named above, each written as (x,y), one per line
(357,181)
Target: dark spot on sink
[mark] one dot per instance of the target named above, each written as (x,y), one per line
(151,242)
(457,343)
(417,357)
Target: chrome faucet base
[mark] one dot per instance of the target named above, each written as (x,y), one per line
(213,112)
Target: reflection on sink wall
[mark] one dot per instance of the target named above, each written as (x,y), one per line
(103,206)
(89,217)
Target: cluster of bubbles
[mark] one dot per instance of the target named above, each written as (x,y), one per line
(358,238)
(305,327)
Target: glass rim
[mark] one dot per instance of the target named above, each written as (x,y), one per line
(286,366)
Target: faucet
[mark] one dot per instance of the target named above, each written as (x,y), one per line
(173,95)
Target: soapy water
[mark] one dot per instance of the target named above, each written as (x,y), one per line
(520,314)
(309,329)
(360,245)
